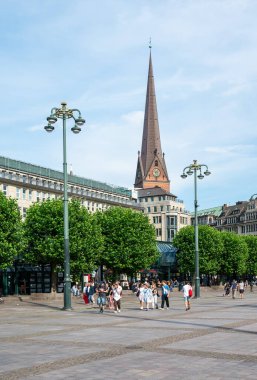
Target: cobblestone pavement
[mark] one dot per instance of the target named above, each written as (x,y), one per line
(216,339)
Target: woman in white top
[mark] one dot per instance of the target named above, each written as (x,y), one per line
(117,292)
(140,295)
(241,286)
(148,295)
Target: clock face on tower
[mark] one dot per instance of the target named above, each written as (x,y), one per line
(156,172)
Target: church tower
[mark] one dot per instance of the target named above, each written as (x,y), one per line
(151,168)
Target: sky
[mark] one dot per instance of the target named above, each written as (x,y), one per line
(95,54)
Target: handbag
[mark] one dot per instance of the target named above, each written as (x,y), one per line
(190,293)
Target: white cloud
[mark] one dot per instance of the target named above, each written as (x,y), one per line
(96,57)
(35,128)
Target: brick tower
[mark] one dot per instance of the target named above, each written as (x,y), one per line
(151,168)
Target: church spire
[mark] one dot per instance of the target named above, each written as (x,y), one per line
(151,167)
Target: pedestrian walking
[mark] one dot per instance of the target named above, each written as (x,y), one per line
(165,295)
(148,296)
(226,289)
(241,287)
(101,299)
(117,294)
(155,296)
(85,294)
(140,295)
(187,294)
(234,288)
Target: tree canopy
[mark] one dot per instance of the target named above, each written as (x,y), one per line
(10,231)
(210,249)
(234,255)
(44,228)
(129,240)
(251,241)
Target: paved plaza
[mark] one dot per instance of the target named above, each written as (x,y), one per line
(216,339)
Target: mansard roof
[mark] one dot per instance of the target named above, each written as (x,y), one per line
(216,211)
(50,174)
(154,191)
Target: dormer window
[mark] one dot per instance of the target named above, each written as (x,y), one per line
(156,162)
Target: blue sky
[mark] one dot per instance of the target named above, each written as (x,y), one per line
(94,55)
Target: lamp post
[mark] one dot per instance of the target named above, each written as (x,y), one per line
(196,168)
(65,113)
(253,198)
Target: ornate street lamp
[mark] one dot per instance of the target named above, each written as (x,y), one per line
(196,168)
(253,197)
(65,113)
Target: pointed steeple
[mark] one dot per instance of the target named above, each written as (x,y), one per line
(151,167)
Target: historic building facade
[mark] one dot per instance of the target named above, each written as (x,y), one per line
(240,218)
(30,183)
(152,183)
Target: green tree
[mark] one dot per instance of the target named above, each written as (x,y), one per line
(251,241)
(129,240)
(234,256)
(10,231)
(44,229)
(210,249)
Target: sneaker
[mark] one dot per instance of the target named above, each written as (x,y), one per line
(167,308)
(115,311)
(141,308)
(161,308)
(118,310)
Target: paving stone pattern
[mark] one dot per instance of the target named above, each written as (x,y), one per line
(216,339)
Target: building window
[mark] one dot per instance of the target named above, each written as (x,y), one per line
(18,190)
(24,194)
(149,209)
(152,199)
(155,209)
(161,208)
(24,212)
(5,189)
(156,162)
(38,196)
(158,232)
(30,195)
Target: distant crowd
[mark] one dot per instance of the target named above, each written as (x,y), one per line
(151,295)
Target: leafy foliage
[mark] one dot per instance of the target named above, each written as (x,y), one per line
(129,240)
(251,241)
(210,249)
(10,231)
(44,229)
(234,255)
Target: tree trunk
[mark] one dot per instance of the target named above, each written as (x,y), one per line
(53,278)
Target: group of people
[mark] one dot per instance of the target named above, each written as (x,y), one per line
(148,295)
(234,287)
(109,295)
(106,295)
